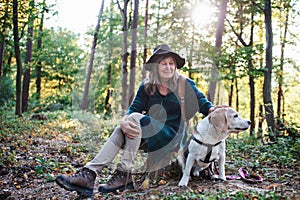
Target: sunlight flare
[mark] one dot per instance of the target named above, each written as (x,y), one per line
(202,13)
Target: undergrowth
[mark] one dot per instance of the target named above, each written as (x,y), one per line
(42,144)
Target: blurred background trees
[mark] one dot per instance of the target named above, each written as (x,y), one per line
(257,64)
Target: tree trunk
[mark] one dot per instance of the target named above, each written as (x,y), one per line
(123,11)
(39,65)
(108,90)
(18,110)
(2,39)
(219,32)
(280,75)
(252,101)
(268,70)
(133,50)
(84,104)
(145,38)
(109,69)
(251,80)
(26,77)
(260,122)
(237,95)
(230,95)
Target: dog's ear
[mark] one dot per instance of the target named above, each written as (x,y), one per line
(218,119)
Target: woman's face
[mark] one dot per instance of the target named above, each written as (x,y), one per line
(166,68)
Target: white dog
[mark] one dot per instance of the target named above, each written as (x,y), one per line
(208,142)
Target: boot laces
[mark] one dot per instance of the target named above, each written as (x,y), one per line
(81,172)
(116,175)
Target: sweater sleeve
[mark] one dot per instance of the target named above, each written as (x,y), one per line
(140,101)
(195,100)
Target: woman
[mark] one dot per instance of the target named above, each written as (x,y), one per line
(154,116)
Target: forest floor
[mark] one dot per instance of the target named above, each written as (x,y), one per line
(33,153)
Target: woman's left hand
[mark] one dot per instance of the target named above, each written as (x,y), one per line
(129,129)
(216,107)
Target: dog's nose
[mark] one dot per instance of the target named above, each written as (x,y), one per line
(249,122)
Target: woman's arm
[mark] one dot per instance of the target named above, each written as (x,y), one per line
(140,101)
(196,100)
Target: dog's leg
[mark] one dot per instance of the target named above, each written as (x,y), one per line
(186,174)
(181,162)
(222,163)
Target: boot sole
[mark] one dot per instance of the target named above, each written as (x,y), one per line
(86,192)
(119,189)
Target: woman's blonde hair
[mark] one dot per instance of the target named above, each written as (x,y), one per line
(153,79)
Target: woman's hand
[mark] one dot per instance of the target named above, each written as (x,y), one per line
(216,107)
(130,129)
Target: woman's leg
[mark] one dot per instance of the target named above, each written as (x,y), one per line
(108,152)
(122,178)
(131,146)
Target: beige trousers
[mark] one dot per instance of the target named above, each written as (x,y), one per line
(118,141)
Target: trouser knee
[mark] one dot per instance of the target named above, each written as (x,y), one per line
(135,118)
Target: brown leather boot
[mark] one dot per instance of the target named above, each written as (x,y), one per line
(82,182)
(119,181)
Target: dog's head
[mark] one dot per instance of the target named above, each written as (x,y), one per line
(227,120)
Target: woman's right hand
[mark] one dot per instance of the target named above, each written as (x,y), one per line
(130,129)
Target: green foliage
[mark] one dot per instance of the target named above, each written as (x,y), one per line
(241,62)
(283,153)
(7,91)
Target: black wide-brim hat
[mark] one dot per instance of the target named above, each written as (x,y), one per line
(163,50)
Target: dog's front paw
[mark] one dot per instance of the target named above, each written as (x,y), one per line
(184,181)
(223,178)
(196,172)
(217,177)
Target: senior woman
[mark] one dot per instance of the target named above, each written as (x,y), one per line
(154,117)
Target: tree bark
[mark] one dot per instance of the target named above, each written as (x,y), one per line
(145,38)
(219,32)
(133,50)
(39,65)
(251,80)
(84,104)
(287,7)
(2,40)
(18,110)
(269,113)
(109,69)
(28,56)
(124,103)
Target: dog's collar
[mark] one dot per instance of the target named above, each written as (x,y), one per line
(209,150)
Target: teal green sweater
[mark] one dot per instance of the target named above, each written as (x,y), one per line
(162,121)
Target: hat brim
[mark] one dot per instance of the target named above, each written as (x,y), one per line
(155,58)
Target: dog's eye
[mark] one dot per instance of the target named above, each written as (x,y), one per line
(235,116)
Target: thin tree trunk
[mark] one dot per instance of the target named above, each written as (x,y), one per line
(39,65)
(219,32)
(260,122)
(2,45)
(280,76)
(84,104)
(145,38)
(268,70)
(18,110)
(251,80)
(26,77)
(108,90)
(109,69)
(2,40)
(124,103)
(231,92)
(237,95)
(133,50)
